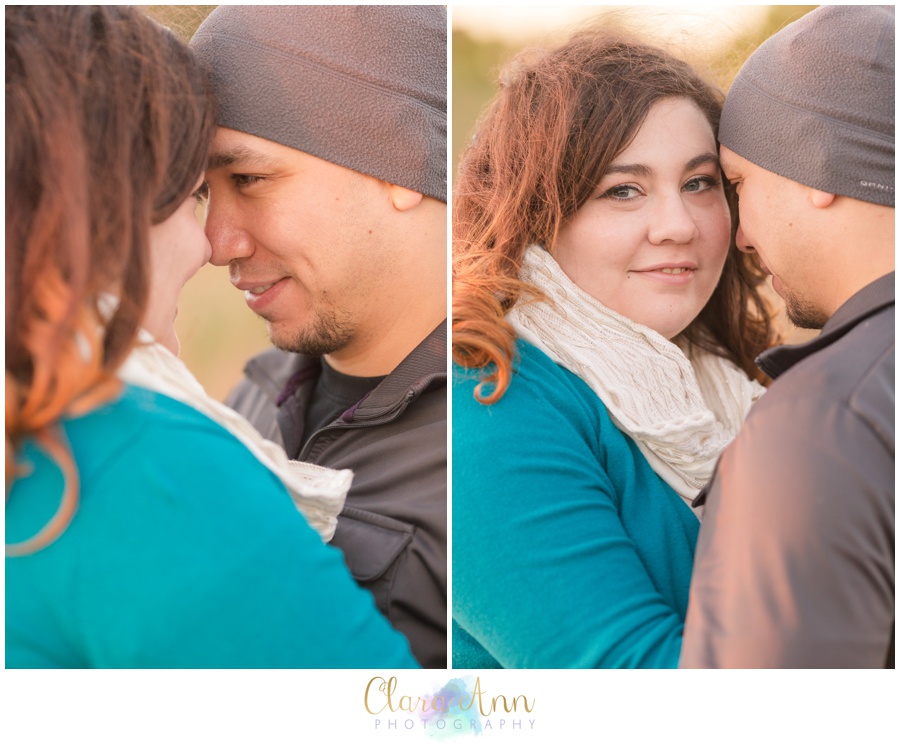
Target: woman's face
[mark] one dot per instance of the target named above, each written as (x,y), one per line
(651,242)
(178,248)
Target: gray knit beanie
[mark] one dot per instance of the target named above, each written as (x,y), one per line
(361,86)
(815,103)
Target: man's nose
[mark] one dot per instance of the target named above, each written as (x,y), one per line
(741,241)
(227,237)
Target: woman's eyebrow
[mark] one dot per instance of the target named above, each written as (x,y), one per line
(638,169)
(703,159)
(634,169)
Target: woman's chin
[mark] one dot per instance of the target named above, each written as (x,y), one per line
(168,339)
(172,343)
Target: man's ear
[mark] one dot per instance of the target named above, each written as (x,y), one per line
(821,199)
(403,198)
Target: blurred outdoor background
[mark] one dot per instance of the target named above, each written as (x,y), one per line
(716,39)
(218,333)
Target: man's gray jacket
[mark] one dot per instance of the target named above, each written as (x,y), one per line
(393,529)
(794,566)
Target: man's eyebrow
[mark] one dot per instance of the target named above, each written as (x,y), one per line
(239,154)
(726,166)
(638,169)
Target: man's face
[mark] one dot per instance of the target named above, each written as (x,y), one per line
(303,239)
(776,224)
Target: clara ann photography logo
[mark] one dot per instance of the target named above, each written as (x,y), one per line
(461,706)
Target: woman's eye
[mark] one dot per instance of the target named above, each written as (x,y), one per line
(202,193)
(621,193)
(701,183)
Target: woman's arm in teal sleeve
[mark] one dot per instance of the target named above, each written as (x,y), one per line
(544,574)
(218,569)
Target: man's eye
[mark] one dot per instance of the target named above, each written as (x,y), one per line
(243,181)
(202,193)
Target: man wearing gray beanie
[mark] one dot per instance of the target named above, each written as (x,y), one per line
(327,201)
(794,565)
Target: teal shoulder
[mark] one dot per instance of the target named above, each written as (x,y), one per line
(536,381)
(147,449)
(183,551)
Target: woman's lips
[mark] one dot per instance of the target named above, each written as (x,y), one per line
(673,275)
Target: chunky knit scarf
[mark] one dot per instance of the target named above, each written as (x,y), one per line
(681,410)
(319,493)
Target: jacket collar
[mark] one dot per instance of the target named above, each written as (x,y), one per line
(862,305)
(281,374)
(427,363)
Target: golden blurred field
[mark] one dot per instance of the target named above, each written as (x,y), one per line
(217,331)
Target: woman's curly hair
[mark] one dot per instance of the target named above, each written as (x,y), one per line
(108,122)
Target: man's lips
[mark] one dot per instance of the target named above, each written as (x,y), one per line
(255,287)
(259,294)
(258,289)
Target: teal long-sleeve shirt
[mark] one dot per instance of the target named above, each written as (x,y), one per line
(568,550)
(184,552)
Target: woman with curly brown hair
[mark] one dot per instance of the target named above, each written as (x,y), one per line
(145,526)
(604,335)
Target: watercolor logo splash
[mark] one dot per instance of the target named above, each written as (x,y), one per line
(459,716)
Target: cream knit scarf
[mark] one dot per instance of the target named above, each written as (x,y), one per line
(681,411)
(319,493)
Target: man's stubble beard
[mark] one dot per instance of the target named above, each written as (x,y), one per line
(327,332)
(803,313)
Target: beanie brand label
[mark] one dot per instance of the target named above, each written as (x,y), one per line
(875,185)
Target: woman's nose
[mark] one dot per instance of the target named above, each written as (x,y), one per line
(672,222)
